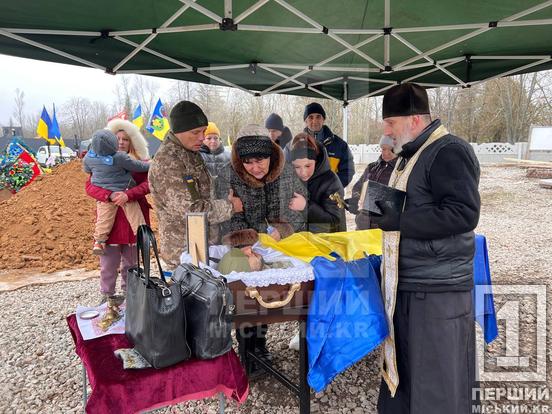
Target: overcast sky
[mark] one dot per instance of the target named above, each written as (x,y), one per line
(45,83)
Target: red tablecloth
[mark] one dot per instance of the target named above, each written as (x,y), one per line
(115,390)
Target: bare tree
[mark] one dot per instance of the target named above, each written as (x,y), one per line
(18,112)
(78,111)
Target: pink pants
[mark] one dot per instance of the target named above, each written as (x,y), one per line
(118,257)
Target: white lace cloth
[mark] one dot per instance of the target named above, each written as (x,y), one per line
(300,272)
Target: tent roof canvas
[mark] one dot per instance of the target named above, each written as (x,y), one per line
(335,50)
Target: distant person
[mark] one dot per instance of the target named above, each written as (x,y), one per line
(340,156)
(277,131)
(120,251)
(380,171)
(111,169)
(213,152)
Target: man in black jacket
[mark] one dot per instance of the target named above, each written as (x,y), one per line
(340,156)
(277,131)
(428,262)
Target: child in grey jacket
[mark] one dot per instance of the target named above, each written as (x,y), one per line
(110,169)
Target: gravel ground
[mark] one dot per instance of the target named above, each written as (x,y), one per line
(39,371)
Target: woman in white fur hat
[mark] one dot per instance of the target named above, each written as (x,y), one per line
(120,251)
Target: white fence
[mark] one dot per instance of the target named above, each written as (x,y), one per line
(486,153)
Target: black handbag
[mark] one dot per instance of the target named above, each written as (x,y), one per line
(209,306)
(155,319)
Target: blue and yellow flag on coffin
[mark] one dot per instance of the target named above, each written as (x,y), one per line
(54,132)
(137,117)
(44,126)
(158,124)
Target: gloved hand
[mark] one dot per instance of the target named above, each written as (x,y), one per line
(389,220)
(351,204)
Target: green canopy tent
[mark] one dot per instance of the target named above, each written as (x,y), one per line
(327,49)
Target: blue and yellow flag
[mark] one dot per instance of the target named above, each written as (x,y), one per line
(54,132)
(137,117)
(158,124)
(44,126)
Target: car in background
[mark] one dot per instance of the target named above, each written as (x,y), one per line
(84,146)
(44,153)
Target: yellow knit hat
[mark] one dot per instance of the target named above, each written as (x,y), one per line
(212,129)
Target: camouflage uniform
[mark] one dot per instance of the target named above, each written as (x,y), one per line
(180,184)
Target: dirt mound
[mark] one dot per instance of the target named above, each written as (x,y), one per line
(48,226)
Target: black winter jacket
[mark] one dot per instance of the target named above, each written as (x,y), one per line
(339,154)
(442,210)
(323,214)
(215,161)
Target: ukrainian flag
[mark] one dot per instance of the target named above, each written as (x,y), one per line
(158,124)
(54,132)
(137,118)
(44,126)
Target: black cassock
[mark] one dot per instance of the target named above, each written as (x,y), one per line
(435,346)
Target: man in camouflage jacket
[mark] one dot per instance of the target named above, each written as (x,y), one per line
(180,183)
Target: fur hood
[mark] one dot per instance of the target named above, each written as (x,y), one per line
(138,141)
(277,164)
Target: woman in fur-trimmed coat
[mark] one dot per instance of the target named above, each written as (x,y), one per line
(120,251)
(260,177)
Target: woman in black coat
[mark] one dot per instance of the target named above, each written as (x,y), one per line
(311,164)
(379,171)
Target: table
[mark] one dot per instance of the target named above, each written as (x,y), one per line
(249,313)
(116,390)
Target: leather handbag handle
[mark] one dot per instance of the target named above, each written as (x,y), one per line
(253,293)
(145,241)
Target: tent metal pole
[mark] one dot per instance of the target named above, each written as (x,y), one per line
(280,74)
(225,67)
(51,49)
(427,72)
(386,36)
(50,32)
(345,111)
(328,32)
(177,62)
(228,9)
(441,68)
(307,69)
(162,30)
(155,53)
(154,71)
(511,72)
(293,88)
(521,57)
(202,10)
(167,23)
(372,80)
(326,81)
(250,10)
(278,29)
(476,33)
(284,81)
(310,88)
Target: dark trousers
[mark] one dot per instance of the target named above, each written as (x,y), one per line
(435,344)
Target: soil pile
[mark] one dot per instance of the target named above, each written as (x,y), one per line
(48,226)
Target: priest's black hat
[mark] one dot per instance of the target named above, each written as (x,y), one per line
(405,99)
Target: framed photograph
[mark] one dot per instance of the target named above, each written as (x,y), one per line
(197,233)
